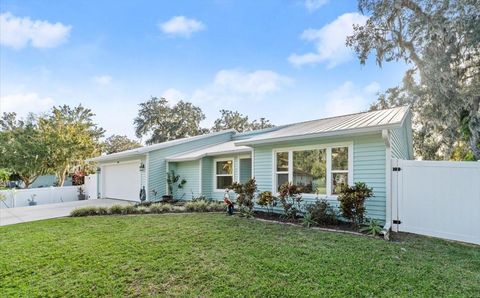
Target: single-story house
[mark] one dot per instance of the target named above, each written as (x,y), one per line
(320,155)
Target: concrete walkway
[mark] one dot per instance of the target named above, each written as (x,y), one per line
(12,216)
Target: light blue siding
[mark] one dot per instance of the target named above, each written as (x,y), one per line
(49,180)
(245,169)
(157,170)
(207,176)
(401,141)
(190,171)
(369,156)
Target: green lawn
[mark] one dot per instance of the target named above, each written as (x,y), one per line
(215,255)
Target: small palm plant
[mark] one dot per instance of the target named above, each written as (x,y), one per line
(307,220)
(372,227)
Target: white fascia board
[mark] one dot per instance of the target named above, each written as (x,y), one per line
(184,140)
(176,159)
(144,150)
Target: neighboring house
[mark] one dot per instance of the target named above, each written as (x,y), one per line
(45,181)
(323,154)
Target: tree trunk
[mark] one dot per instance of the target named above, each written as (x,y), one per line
(62,179)
(474,127)
(28,181)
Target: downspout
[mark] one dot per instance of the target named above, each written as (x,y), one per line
(147,176)
(388,179)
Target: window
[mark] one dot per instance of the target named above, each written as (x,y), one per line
(339,169)
(310,171)
(320,171)
(223,174)
(282,168)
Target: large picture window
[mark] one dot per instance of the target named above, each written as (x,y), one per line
(223,174)
(321,171)
(310,171)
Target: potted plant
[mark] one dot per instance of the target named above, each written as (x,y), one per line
(81,194)
(31,201)
(172,181)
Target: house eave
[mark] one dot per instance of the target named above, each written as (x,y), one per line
(218,153)
(364,130)
(142,151)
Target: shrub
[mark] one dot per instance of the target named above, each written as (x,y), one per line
(372,227)
(266,199)
(102,210)
(245,212)
(172,180)
(216,206)
(117,209)
(200,198)
(177,209)
(130,209)
(84,211)
(160,208)
(198,206)
(245,193)
(322,213)
(352,202)
(144,204)
(307,220)
(290,198)
(142,210)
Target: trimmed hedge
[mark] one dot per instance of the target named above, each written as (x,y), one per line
(153,208)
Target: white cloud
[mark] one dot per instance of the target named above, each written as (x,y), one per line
(312,5)
(173,95)
(17,32)
(181,26)
(329,42)
(372,88)
(24,103)
(230,85)
(347,99)
(103,79)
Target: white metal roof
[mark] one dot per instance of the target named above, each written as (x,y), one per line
(143,150)
(219,149)
(346,124)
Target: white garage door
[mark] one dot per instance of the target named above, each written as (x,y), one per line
(122,181)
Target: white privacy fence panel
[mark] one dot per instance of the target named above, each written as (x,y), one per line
(48,195)
(91,188)
(437,198)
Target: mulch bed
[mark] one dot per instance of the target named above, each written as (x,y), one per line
(341,226)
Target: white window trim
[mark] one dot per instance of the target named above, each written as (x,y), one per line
(328,148)
(232,159)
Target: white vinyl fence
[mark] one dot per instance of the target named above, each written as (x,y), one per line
(91,188)
(437,198)
(47,195)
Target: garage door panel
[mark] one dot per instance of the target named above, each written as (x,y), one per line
(122,181)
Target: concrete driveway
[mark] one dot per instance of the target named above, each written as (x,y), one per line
(12,216)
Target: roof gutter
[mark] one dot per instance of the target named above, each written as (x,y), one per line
(388,172)
(317,135)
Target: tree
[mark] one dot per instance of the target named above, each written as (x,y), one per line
(163,123)
(71,137)
(439,39)
(235,120)
(22,148)
(118,143)
(4,177)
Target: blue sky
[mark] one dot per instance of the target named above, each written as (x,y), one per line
(283,60)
